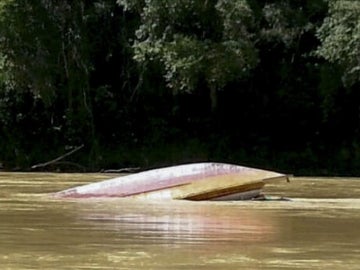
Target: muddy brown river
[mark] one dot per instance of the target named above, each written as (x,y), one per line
(319,228)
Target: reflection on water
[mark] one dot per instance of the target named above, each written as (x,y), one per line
(310,232)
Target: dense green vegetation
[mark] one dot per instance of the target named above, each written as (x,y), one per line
(272,84)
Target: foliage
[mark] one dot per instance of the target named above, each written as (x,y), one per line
(340,38)
(195,40)
(45,50)
(98,73)
(55,50)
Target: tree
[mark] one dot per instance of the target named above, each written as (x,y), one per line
(68,54)
(340,38)
(196,42)
(46,51)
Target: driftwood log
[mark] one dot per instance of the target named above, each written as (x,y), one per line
(56,160)
(122,170)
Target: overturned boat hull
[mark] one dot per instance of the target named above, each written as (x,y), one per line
(199,181)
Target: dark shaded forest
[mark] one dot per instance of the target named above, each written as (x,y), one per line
(270,84)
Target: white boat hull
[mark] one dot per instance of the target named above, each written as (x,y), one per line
(199,181)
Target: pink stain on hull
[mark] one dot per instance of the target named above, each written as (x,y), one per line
(153,180)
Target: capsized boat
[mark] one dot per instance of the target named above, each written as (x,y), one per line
(197,181)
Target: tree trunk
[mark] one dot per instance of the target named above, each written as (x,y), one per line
(213,99)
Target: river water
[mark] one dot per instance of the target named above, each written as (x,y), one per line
(319,228)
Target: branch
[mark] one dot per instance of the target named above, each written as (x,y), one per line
(122,170)
(40,165)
